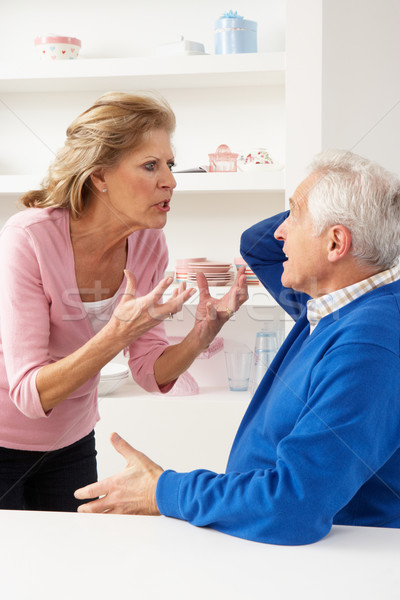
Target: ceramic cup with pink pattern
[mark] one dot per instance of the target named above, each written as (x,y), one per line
(57,47)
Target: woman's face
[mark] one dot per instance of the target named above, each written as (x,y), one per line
(139,188)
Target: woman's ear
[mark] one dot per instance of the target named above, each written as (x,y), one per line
(97,179)
(339,242)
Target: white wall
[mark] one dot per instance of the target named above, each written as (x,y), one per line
(303,87)
(361,78)
(343,84)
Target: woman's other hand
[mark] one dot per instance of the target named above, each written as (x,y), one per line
(213,313)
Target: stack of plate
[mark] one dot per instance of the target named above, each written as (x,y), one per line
(112,376)
(251,278)
(216,273)
(181,268)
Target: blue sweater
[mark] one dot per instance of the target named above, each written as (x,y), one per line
(319,443)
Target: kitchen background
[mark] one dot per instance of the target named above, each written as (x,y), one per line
(326,75)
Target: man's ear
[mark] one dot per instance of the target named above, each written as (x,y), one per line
(339,242)
(97,179)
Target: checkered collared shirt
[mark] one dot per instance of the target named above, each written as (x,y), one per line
(317,308)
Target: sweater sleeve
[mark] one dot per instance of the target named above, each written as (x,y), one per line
(263,253)
(24,311)
(347,429)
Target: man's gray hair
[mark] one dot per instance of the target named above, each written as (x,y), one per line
(361,195)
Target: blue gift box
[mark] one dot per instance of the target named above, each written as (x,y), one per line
(234,35)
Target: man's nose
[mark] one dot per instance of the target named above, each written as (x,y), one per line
(280,232)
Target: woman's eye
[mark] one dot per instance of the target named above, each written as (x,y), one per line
(151,166)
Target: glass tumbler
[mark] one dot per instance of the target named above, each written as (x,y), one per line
(238,367)
(266,347)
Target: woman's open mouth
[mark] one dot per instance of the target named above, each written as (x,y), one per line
(163,206)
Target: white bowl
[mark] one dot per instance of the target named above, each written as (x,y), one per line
(112,376)
(108,387)
(181,46)
(57,47)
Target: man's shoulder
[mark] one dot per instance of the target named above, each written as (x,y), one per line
(374,318)
(382,299)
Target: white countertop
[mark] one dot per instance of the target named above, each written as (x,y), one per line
(177,432)
(64,556)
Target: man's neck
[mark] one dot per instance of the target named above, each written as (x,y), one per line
(346,274)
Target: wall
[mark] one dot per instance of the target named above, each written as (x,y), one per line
(361,83)
(343,88)
(303,87)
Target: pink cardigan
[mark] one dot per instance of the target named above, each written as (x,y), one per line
(42,319)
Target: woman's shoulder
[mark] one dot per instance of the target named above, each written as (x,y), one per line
(30,217)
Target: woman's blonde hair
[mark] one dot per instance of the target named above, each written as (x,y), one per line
(99,138)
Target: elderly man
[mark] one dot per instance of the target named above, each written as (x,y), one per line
(320,441)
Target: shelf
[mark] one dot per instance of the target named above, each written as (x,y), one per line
(142,73)
(132,391)
(230,182)
(15,185)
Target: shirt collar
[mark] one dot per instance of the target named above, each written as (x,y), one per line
(317,308)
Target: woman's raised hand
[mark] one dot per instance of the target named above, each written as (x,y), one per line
(134,315)
(211,312)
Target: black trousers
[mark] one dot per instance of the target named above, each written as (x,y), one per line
(34,480)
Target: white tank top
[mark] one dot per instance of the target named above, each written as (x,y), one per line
(100,312)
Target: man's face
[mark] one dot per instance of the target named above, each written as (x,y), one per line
(306,268)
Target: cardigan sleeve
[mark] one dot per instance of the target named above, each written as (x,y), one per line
(24,311)
(346,431)
(263,253)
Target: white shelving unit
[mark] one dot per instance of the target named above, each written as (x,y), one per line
(178,75)
(186,183)
(230,182)
(144,73)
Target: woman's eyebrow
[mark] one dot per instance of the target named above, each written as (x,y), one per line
(152,157)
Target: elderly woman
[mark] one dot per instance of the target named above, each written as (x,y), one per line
(81,280)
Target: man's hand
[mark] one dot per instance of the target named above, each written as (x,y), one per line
(132,491)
